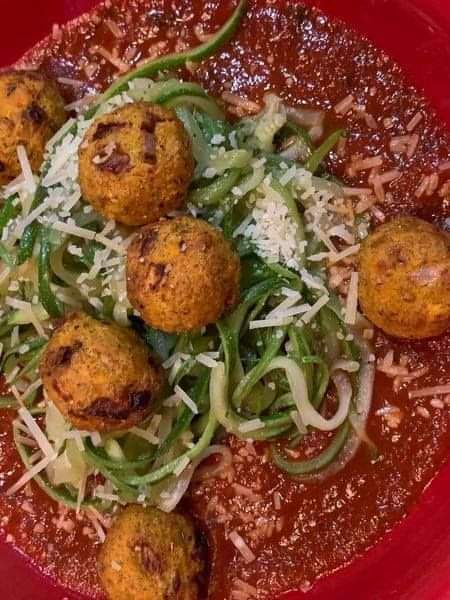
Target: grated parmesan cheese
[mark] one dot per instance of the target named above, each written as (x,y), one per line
(27,173)
(272,231)
(206,360)
(36,432)
(350,251)
(29,475)
(242,547)
(186,399)
(277,500)
(274,322)
(72,229)
(315,308)
(436,390)
(145,435)
(352,300)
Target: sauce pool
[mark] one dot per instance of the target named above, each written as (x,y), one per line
(298,532)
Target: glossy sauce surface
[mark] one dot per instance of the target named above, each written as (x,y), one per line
(307,59)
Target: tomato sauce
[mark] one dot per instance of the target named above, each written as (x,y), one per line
(298,532)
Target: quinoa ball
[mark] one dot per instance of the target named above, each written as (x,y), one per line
(99,375)
(31,112)
(404,271)
(182,274)
(150,555)
(136,164)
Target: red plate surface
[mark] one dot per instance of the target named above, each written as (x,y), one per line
(413,562)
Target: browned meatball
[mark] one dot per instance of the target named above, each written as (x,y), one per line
(31,112)
(99,375)
(405,278)
(182,274)
(150,555)
(136,164)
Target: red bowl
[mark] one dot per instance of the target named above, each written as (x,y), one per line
(412,562)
